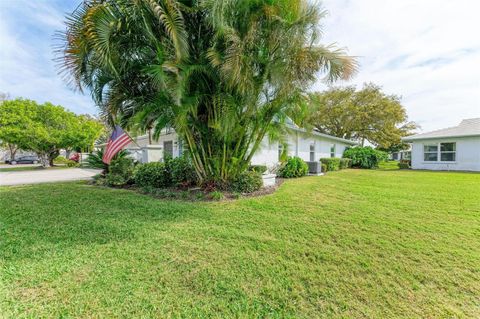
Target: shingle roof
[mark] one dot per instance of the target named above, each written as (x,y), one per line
(468,127)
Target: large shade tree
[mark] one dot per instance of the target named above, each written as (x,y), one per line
(223,74)
(367,114)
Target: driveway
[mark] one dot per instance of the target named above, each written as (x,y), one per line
(46,176)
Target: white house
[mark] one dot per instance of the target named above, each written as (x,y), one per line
(310,146)
(454,148)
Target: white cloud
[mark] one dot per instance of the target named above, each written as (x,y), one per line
(27,68)
(426,51)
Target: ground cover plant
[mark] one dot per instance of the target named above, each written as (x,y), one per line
(353,243)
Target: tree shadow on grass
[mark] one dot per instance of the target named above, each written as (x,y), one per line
(57,216)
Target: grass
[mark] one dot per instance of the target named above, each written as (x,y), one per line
(351,244)
(14,168)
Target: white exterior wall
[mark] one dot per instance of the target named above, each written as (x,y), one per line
(141,142)
(298,145)
(467,154)
(267,154)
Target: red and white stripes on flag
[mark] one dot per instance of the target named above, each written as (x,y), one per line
(115,143)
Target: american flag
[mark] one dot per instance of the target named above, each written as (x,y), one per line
(116,142)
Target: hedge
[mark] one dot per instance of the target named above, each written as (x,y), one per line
(332,163)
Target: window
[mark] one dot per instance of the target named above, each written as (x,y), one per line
(430,153)
(312,152)
(168,149)
(447,152)
(443,152)
(332,150)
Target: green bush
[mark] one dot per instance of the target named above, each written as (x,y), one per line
(60,160)
(365,157)
(332,163)
(345,163)
(216,195)
(181,171)
(247,182)
(258,168)
(406,161)
(324,168)
(403,165)
(293,167)
(120,172)
(94,159)
(71,163)
(153,174)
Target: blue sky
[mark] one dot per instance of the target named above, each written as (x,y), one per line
(426,51)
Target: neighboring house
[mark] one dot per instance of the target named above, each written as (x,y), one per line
(401,155)
(453,148)
(310,146)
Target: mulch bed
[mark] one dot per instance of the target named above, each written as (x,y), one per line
(197,193)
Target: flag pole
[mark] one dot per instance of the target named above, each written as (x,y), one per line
(132,139)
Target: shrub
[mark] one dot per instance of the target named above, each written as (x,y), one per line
(258,168)
(403,166)
(71,163)
(94,159)
(345,163)
(181,171)
(120,172)
(216,195)
(293,167)
(152,174)
(324,168)
(333,163)
(60,160)
(365,157)
(247,182)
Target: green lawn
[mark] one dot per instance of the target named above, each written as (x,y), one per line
(351,244)
(15,168)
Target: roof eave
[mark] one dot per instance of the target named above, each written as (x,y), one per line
(411,139)
(323,135)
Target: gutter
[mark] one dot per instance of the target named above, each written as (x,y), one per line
(420,138)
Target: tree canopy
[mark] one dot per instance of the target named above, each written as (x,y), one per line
(223,74)
(363,115)
(45,128)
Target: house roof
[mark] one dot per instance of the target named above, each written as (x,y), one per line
(468,127)
(316,132)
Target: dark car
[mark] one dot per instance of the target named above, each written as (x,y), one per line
(24,160)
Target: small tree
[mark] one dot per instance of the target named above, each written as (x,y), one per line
(44,129)
(16,124)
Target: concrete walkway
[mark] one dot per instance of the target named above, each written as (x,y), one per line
(46,176)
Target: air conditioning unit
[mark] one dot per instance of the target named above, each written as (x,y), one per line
(314,168)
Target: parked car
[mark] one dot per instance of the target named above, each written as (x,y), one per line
(24,160)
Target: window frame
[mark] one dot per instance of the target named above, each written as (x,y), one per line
(312,152)
(439,152)
(333,150)
(280,151)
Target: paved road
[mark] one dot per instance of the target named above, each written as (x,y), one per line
(19,165)
(46,176)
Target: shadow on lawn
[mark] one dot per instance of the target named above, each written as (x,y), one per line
(39,218)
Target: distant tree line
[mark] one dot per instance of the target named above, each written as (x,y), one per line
(44,129)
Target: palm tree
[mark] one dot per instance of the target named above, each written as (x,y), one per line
(223,74)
